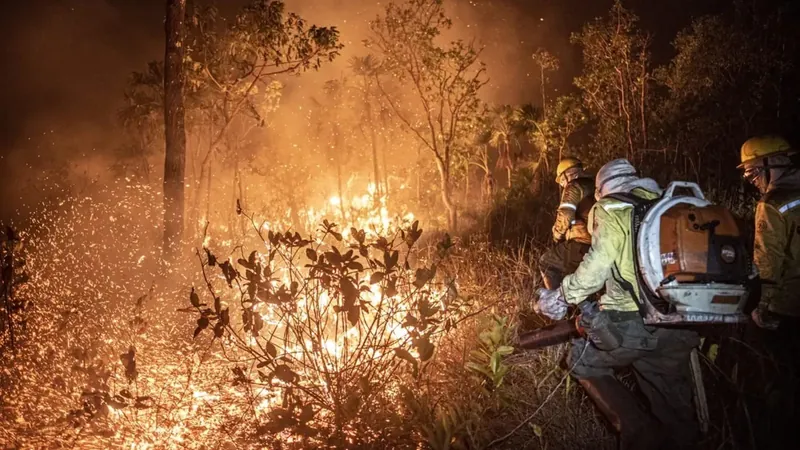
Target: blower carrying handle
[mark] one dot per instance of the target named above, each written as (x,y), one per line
(669,192)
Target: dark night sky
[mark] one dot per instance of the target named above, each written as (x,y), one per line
(67,61)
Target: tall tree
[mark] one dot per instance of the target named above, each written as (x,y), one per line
(232,68)
(329,116)
(444,82)
(529,121)
(235,63)
(615,83)
(547,130)
(142,119)
(483,140)
(546,63)
(366,70)
(730,78)
(503,134)
(174,129)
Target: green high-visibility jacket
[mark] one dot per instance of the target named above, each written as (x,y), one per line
(610,258)
(776,250)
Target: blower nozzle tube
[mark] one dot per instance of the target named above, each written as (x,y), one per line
(553,334)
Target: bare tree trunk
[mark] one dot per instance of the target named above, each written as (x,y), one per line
(643,100)
(536,182)
(447,196)
(7,262)
(341,192)
(373,141)
(487,188)
(505,157)
(208,196)
(193,156)
(241,196)
(175,132)
(384,149)
(544,99)
(488,181)
(508,168)
(466,180)
(294,212)
(624,110)
(205,172)
(233,219)
(419,175)
(143,160)
(337,138)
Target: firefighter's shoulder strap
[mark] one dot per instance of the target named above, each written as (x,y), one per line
(640,208)
(630,289)
(627,197)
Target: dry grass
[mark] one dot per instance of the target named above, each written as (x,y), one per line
(171,369)
(537,406)
(537,390)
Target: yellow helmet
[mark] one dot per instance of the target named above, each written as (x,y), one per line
(760,147)
(566,164)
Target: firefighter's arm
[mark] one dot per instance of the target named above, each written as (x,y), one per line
(566,211)
(595,269)
(768,250)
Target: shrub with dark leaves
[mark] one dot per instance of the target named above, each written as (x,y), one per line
(327,330)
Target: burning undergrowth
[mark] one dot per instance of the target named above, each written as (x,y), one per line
(325,331)
(294,339)
(86,261)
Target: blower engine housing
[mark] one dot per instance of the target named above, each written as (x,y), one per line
(692,260)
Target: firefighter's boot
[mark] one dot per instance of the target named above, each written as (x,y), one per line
(636,429)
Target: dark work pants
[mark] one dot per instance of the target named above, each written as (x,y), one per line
(560,261)
(660,359)
(775,398)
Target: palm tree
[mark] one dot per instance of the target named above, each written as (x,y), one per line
(502,134)
(482,137)
(530,122)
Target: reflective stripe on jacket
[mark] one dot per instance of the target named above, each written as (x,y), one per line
(610,257)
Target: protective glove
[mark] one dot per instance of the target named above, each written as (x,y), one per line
(763,318)
(551,303)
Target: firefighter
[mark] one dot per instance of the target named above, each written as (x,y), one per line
(617,335)
(570,231)
(768,163)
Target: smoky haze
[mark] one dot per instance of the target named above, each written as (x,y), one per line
(68,63)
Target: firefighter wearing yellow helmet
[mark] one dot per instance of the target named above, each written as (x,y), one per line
(767,163)
(570,230)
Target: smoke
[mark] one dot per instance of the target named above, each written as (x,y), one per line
(509,31)
(70,64)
